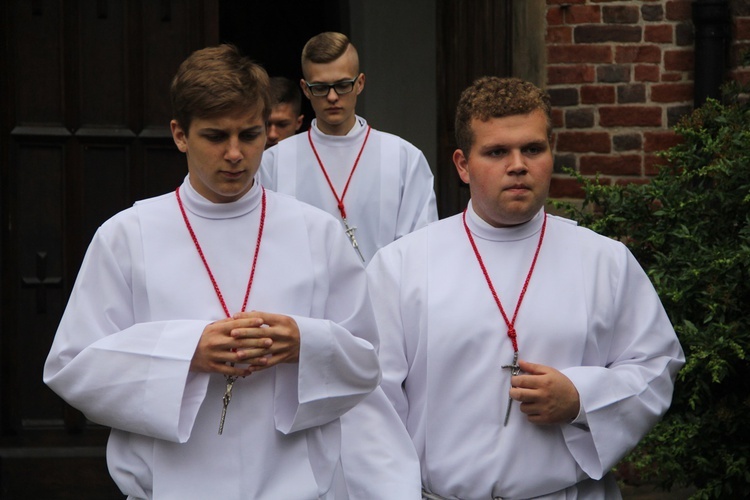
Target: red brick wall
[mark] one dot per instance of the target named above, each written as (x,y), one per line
(620,74)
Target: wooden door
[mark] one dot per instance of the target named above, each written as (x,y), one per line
(84,132)
(474,40)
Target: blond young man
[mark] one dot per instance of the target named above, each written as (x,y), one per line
(378,185)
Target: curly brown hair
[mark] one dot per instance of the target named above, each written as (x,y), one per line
(218,80)
(494,97)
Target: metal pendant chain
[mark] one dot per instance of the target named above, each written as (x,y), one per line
(510,323)
(230,379)
(340,200)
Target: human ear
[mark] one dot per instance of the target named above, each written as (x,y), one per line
(462,165)
(179,136)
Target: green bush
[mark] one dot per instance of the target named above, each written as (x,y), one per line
(690,229)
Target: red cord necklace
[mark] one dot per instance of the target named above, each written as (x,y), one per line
(510,323)
(340,199)
(230,379)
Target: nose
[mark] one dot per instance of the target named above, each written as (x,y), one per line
(272,133)
(517,164)
(233,153)
(332,96)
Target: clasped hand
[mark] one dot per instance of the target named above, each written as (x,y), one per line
(247,342)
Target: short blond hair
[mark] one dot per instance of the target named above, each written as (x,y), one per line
(494,97)
(217,80)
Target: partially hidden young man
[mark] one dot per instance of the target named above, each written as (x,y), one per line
(221,330)
(525,355)
(286,115)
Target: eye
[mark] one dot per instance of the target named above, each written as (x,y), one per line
(249,135)
(214,136)
(535,149)
(497,152)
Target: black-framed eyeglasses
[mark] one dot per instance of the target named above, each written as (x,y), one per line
(323,89)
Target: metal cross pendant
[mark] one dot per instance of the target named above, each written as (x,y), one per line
(350,234)
(226,399)
(514,370)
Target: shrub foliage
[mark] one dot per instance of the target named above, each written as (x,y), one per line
(690,229)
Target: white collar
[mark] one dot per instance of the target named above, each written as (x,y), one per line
(200,206)
(482,229)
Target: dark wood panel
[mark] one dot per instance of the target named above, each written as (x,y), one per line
(170,33)
(40,28)
(103,63)
(106,185)
(57,477)
(164,169)
(474,39)
(39,277)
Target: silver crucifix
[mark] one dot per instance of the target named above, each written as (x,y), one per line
(350,234)
(225,400)
(514,370)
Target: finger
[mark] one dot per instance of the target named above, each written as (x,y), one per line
(532,368)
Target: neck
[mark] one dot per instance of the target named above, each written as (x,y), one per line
(339,129)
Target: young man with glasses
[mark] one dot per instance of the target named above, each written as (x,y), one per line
(378,185)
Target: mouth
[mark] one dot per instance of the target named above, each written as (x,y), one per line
(518,187)
(233,174)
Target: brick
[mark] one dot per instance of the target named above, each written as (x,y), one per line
(652,164)
(591,54)
(583,142)
(742,76)
(583,14)
(557,75)
(597,94)
(672,92)
(661,33)
(621,14)
(637,54)
(630,94)
(563,97)
(610,33)
(646,73)
(627,142)
(565,188)
(555,17)
(652,13)
(611,165)
(671,77)
(564,162)
(684,35)
(613,74)
(742,29)
(559,34)
(630,116)
(679,60)
(624,181)
(679,10)
(558,120)
(564,3)
(659,141)
(736,53)
(675,114)
(579,118)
